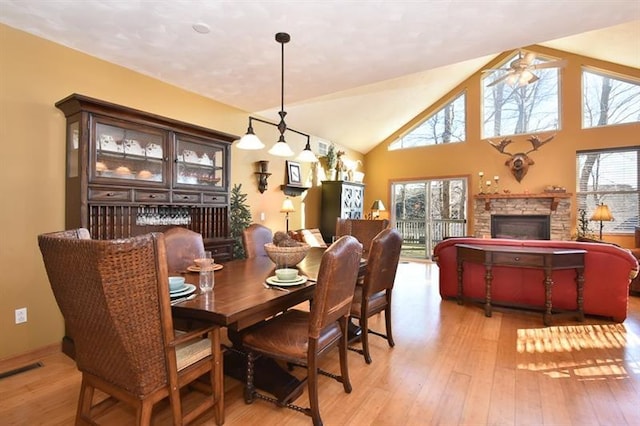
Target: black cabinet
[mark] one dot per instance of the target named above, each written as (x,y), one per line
(340,199)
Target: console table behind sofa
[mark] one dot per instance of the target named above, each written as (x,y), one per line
(607,274)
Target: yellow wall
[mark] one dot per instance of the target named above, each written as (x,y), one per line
(34,75)
(554,162)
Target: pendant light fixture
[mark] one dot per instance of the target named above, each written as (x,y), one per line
(281,148)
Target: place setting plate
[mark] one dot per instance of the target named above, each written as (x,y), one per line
(183,291)
(195,268)
(301,279)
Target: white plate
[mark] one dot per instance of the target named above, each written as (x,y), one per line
(194,268)
(190,288)
(274,281)
(181,289)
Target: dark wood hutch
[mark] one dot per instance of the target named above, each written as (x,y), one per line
(130,172)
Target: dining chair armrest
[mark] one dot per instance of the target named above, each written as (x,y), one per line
(183,337)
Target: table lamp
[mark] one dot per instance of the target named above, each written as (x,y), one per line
(287,207)
(602,214)
(376,208)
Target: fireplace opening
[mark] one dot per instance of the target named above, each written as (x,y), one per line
(521,227)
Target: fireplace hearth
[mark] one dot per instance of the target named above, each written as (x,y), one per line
(521,227)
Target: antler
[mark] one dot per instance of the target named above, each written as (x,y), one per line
(500,146)
(537,143)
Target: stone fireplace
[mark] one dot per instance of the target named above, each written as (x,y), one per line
(523,216)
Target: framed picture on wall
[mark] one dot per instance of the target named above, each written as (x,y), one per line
(294,176)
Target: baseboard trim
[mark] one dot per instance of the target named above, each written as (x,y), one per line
(30,357)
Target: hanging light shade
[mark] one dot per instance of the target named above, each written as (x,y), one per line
(307,155)
(250,141)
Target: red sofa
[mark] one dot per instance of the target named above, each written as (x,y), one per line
(608,272)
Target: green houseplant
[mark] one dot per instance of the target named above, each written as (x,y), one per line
(239,220)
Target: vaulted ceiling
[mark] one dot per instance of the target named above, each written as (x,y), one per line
(355,71)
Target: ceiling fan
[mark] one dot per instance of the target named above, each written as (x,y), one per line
(520,70)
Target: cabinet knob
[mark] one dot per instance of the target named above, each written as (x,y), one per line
(185,197)
(517,259)
(110,194)
(152,195)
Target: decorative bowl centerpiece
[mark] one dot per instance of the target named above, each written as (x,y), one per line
(284,251)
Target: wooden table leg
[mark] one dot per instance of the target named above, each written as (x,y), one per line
(548,283)
(580,287)
(488,277)
(459,282)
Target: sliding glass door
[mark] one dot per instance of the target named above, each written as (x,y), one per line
(427,211)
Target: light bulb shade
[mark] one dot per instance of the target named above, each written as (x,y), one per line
(378,206)
(281,149)
(307,156)
(287,206)
(250,142)
(602,213)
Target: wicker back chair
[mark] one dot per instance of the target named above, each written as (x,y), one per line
(254,237)
(301,337)
(364,230)
(114,298)
(374,295)
(183,246)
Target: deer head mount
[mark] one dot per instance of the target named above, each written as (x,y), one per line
(519,163)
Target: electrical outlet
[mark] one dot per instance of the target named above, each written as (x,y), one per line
(21,315)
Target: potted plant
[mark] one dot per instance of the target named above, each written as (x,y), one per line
(239,220)
(330,158)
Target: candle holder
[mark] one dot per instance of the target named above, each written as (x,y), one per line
(496,179)
(480,176)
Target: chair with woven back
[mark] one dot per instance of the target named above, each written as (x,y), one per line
(374,295)
(303,338)
(183,246)
(114,297)
(254,237)
(363,229)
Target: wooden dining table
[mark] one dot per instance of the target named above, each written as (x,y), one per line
(240,299)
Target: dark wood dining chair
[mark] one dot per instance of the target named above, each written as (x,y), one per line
(363,229)
(183,246)
(374,295)
(254,237)
(114,296)
(302,338)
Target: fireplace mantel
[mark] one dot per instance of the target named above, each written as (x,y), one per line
(554,197)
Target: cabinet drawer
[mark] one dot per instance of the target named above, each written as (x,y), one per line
(214,198)
(186,197)
(518,259)
(105,194)
(152,196)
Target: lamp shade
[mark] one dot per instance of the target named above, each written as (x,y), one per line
(250,142)
(377,205)
(602,213)
(281,149)
(287,206)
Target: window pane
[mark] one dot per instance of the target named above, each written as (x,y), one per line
(608,100)
(610,177)
(444,126)
(510,109)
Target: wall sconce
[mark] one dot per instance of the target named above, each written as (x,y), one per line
(263,174)
(602,214)
(287,207)
(376,208)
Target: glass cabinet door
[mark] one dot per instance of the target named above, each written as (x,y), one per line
(199,163)
(123,153)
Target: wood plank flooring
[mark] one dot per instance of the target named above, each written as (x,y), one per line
(450,366)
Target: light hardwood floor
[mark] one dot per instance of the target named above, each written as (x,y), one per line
(450,366)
